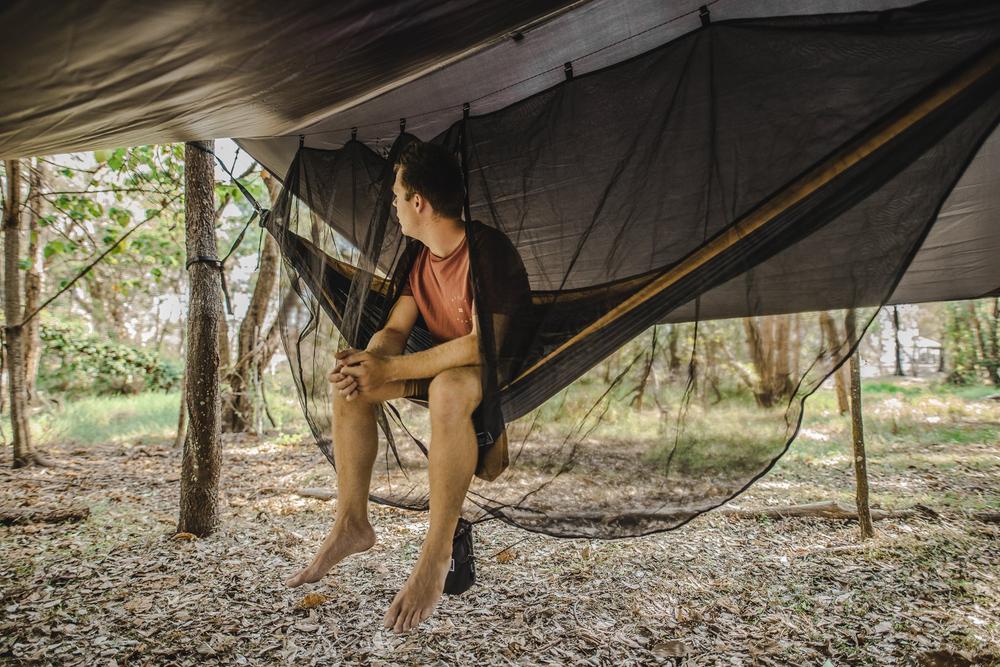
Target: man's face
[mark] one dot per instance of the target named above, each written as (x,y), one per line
(405,210)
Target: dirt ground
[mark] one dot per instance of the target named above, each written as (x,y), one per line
(117,589)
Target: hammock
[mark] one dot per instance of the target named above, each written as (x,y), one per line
(715,174)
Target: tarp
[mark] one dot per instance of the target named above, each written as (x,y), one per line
(86,75)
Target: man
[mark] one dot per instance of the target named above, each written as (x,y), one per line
(428,195)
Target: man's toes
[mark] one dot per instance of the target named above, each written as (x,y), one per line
(392,614)
(400,625)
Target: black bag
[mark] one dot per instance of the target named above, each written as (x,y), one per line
(462,574)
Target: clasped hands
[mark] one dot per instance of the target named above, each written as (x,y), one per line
(359,371)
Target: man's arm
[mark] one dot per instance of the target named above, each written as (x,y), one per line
(463,351)
(388,341)
(391,339)
(372,369)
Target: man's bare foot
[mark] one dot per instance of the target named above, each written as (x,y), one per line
(415,602)
(342,541)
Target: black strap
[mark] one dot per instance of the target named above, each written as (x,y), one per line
(217,263)
(258,211)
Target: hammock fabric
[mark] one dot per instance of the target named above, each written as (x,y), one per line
(711,176)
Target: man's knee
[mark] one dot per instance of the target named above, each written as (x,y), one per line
(358,404)
(455,393)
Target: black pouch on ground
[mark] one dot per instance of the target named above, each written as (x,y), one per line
(462,574)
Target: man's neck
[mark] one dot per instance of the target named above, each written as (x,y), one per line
(444,237)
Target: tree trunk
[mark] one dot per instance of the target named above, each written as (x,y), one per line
(835,343)
(201,462)
(674,359)
(182,411)
(767,343)
(796,349)
(858,435)
(33,281)
(239,415)
(895,337)
(646,371)
(225,352)
(13,331)
(993,338)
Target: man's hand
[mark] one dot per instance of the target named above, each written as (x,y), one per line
(359,371)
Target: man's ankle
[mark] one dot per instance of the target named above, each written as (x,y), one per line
(352,521)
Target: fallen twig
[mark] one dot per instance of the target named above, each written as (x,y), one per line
(14,516)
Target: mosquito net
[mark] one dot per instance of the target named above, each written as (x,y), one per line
(759,168)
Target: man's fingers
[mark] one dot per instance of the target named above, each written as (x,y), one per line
(356,358)
(346,352)
(355,371)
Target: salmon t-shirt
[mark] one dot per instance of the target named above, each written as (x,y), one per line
(443,292)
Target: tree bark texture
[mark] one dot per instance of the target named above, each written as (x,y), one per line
(240,413)
(13,331)
(841,376)
(201,461)
(34,280)
(858,435)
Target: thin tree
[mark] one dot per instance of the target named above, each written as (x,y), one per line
(895,337)
(34,279)
(13,329)
(201,461)
(858,433)
(835,343)
(768,345)
(239,414)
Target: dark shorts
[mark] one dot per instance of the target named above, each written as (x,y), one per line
(418,390)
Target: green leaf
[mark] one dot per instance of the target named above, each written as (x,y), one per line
(117,159)
(54,247)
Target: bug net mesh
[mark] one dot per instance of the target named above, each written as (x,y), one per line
(678,219)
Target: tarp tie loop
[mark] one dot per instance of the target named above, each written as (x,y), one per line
(220,263)
(402,125)
(302,140)
(568,71)
(704,15)
(354,134)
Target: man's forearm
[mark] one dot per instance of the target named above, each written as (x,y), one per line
(463,351)
(387,342)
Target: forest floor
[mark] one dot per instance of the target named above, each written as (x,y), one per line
(118,589)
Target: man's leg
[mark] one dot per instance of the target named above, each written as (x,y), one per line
(453,397)
(355,444)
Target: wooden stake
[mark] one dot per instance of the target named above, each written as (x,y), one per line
(858,434)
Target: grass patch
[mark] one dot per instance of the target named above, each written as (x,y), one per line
(150,417)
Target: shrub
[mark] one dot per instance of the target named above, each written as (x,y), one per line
(77,363)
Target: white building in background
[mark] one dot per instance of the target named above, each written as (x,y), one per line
(919,356)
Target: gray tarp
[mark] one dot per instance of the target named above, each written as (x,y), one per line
(87,75)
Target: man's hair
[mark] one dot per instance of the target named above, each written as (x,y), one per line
(435,173)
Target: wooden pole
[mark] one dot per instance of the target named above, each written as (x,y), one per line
(858,433)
